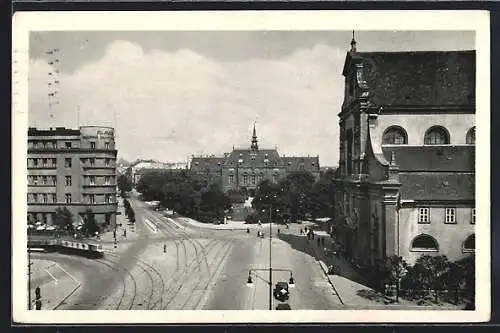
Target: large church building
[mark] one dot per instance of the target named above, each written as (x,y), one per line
(406,179)
(243,169)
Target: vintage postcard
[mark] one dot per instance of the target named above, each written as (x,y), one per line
(172,166)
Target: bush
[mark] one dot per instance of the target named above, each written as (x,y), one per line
(252,218)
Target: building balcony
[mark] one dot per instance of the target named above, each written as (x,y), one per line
(41,167)
(99,185)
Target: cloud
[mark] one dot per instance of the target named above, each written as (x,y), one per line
(169,105)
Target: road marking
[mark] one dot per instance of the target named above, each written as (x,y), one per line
(52,276)
(71,276)
(151,226)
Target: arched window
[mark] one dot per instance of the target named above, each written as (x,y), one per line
(469,244)
(394,135)
(470,138)
(437,135)
(424,243)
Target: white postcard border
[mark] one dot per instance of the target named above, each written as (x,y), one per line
(24,22)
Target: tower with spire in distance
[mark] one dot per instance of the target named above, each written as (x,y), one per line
(254,146)
(353,43)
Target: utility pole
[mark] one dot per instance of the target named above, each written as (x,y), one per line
(270,258)
(29,280)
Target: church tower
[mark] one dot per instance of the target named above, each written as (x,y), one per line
(254,146)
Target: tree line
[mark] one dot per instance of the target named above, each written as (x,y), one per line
(185,193)
(429,279)
(297,196)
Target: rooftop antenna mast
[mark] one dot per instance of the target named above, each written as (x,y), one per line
(53,79)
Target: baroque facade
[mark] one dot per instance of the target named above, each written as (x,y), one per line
(72,168)
(406,179)
(244,169)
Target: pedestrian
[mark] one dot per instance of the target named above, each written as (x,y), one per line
(300,231)
(164,248)
(278,231)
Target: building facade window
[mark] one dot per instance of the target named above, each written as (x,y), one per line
(450,216)
(394,135)
(106,145)
(92,180)
(35,162)
(92,162)
(106,162)
(245,179)
(44,180)
(54,180)
(424,243)
(107,180)
(470,138)
(473,217)
(91,198)
(253,179)
(45,162)
(54,162)
(275,178)
(469,244)
(67,197)
(231,179)
(67,145)
(92,145)
(67,180)
(67,162)
(54,197)
(45,198)
(107,198)
(436,135)
(424,215)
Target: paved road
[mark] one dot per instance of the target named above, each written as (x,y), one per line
(312,290)
(201,269)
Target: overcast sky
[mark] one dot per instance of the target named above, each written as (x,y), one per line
(173,94)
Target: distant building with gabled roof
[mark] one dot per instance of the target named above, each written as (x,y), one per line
(243,169)
(405,184)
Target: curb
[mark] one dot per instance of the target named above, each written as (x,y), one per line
(325,271)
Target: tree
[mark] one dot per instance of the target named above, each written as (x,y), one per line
(322,195)
(63,218)
(124,184)
(89,223)
(214,203)
(430,272)
(392,271)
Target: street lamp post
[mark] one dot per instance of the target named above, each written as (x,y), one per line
(29,280)
(291,282)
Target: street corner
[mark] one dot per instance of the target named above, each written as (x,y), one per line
(56,284)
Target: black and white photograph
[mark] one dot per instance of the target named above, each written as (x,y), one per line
(205,162)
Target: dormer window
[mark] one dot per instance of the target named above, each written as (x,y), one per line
(266,161)
(240,161)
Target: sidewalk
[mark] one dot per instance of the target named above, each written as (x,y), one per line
(355,294)
(231,225)
(56,285)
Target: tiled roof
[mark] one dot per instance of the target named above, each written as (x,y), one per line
(432,158)
(206,163)
(437,186)
(420,78)
(246,158)
(296,163)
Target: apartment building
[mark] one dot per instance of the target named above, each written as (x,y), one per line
(73,168)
